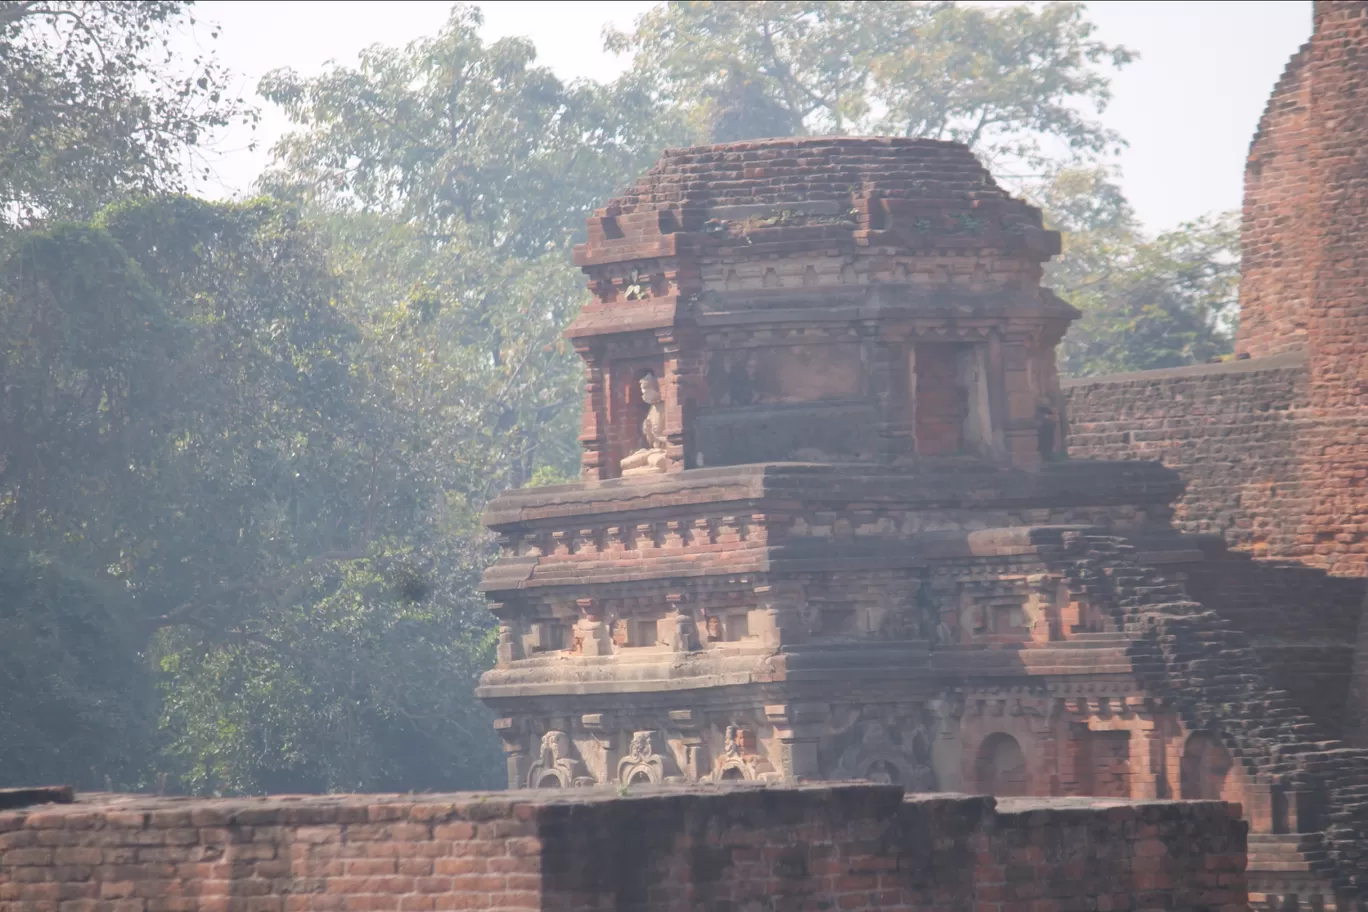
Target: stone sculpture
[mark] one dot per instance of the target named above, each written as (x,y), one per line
(650,458)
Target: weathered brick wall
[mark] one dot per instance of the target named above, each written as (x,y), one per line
(1274,278)
(838,847)
(1337,325)
(274,855)
(1301,622)
(1230,430)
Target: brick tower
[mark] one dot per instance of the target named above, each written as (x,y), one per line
(1304,286)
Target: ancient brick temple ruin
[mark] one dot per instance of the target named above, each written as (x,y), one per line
(841,520)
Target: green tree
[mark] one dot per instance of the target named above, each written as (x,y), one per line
(1015,83)
(1147,302)
(94,107)
(182,408)
(454,177)
(446,180)
(460,138)
(76,702)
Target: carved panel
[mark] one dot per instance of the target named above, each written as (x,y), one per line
(741,760)
(557,764)
(785,375)
(648,761)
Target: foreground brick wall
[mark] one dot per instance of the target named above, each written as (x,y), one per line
(837,847)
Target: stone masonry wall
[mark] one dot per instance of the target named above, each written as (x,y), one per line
(805,848)
(1230,430)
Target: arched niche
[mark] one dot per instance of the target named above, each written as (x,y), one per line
(1000,767)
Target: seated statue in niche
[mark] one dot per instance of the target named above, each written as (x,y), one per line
(650,458)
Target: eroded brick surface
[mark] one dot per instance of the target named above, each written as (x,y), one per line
(807,848)
(1275,456)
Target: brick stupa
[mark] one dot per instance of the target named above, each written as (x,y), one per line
(822,457)
(830,525)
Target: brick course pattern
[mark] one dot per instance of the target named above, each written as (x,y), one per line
(850,847)
(1230,430)
(1276,456)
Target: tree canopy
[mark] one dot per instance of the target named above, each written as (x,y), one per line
(1015,83)
(1147,302)
(95,106)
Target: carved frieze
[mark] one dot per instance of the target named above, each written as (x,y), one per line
(557,764)
(648,761)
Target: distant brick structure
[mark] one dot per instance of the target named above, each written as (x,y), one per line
(852,847)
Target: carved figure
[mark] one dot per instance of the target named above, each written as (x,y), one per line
(556,765)
(739,760)
(650,458)
(714,627)
(647,761)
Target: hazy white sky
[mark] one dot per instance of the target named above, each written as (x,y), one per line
(1188,107)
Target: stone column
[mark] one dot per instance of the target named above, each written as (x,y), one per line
(594,422)
(1148,760)
(797,733)
(680,390)
(516,756)
(891,390)
(1020,427)
(997,393)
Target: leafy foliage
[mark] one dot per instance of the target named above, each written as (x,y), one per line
(76,704)
(183,405)
(94,106)
(362,683)
(1147,302)
(470,142)
(1013,82)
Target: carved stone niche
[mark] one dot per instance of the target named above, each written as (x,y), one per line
(881,752)
(557,765)
(648,761)
(740,760)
